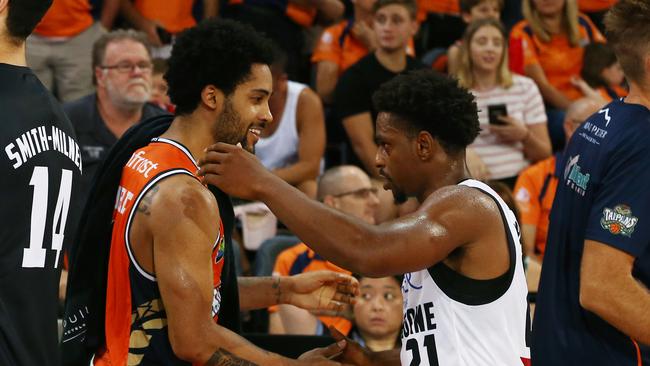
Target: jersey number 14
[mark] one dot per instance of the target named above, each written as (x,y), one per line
(34,256)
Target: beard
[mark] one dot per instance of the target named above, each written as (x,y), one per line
(129,99)
(228,130)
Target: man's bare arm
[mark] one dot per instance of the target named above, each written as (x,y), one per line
(608,289)
(327,74)
(182,221)
(311,140)
(360,130)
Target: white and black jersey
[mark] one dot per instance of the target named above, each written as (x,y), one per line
(453,320)
(40,165)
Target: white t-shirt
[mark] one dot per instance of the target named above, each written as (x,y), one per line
(523,102)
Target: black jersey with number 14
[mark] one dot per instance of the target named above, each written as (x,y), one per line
(40,166)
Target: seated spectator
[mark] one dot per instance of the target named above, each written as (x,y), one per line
(285,22)
(509,142)
(293,143)
(342,45)
(602,72)
(535,190)
(378,313)
(59,49)
(394,24)
(471,10)
(551,41)
(349,190)
(440,24)
(161,21)
(159,87)
(121,62)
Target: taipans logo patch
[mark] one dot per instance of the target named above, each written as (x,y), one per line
(619,220)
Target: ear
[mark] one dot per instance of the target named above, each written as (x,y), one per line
(426,146)
(330,201)
(415,27)
(99,75)
(467,17)
(212,97)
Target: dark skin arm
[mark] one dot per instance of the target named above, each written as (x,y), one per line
(608,289)
(179,218)
(445,221)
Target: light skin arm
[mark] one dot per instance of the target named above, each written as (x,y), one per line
(535,140)
(181,224)
(608,289)
(359,128)
(327,74)
(528,233)
(110,8)
(311,140)
(550,94)
(134,17)
(444,221)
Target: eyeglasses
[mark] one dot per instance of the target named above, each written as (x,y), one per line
(127,67)
(358,193)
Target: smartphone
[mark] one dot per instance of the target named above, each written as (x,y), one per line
(495,111)
(165,37)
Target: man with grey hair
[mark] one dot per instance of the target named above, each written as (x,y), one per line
(122,73)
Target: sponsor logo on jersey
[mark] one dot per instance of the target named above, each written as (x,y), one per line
(141,164)
(574,177)
(619,220)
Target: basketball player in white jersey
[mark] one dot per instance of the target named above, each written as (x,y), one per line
(464,288)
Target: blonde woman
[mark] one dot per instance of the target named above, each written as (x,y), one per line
(511,110)
(553,36)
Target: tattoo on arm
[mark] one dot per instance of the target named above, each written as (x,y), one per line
(225,358)
(145,202)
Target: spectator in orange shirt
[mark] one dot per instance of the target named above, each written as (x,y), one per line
(59,50)
(349,190)
(602,72)
(535,189)
(342,45)
(552,38)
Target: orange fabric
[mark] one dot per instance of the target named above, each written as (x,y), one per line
(144,165)
(590,6)
(286,260)
(174,15)
(558,59)
(436,6)
(65,18)
(329,48)
(619,90)
(527,191)
(300,15)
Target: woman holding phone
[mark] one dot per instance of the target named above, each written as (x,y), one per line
(511,111)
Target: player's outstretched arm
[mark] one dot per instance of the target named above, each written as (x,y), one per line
(183,223)
(608,289)
(454,216)
(318,290)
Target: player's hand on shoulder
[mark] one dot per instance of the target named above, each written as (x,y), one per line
(233,170)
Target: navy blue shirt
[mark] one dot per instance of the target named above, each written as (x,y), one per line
(603,195)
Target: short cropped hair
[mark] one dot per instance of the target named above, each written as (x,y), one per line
(428,101)
(100,45)
(217,52)
(467,5)
(23,16)
(627,28)
(410,5)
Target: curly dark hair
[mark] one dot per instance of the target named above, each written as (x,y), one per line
(218,52)
(428,101)
(23,16)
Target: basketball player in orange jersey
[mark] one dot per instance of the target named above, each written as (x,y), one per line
(167,248)
(464,287)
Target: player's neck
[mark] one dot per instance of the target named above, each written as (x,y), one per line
(638,95)
(454,172)
(193,132)
(393,60)
(12,54)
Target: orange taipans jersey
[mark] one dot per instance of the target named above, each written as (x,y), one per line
(136,322)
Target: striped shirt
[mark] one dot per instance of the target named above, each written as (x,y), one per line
(523,103)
